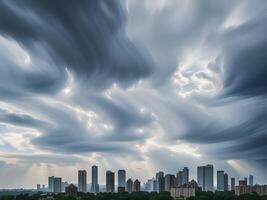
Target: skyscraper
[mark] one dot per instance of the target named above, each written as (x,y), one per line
(137,186)
(94,186)
(110,181)
(82,181)
(121,179)
(250,180)
(179,178)
(129,185)
(51,184)
(185,177)
(205,177)
(233,183)
(160,181)
(225,180)
(246,180)
(169,182)
(220,180)
(57,185)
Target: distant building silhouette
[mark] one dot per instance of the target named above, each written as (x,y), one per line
(232,183)
(205,177)
(51,184)
(82,181)
(94,186)
(129,185)
(225,180)
(57,185)
(169,182)
(185,177)
(243,182)
(185,191)
(137,186)
(250,180)
(220,180)
(64,185)
(121,180)
(179,178)
(71,190)
(110,181)
(160,181)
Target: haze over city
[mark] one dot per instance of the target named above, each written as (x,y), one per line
(145,86)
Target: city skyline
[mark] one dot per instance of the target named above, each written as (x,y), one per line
(159,182)
(153,87)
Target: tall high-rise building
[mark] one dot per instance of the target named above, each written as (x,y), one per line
(154,185)
(233,183)
(160,181)
(51,184)
(149,185)
(136,186)
(185,178)
(225,180)
(179,178)
(82,181)
(161,184)
(169,182)
(94,186)
(250,180)
(121,178)
(205,177)
(57,185)
(129,185)
(110,181)
(220,180)
(246,180)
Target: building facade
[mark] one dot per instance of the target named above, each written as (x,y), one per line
(184,191)
(232,183)
(250,180)
(136,186)
(57,185)
(179,178)
(71,190)
(225,182)
(82,181)
(121,179)
(129,185)
(205,177)
(94,186)
(247,189)
(51,184)
(220,180)
(110,181)
(185,176)
(169,182)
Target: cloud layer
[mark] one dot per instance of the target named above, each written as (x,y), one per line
(113,83)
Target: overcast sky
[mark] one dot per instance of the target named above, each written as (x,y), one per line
(140,85)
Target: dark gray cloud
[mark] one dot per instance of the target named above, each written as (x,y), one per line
(246,59)
(20,119)
(87,37)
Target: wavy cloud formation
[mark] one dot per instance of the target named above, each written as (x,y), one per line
(124,84)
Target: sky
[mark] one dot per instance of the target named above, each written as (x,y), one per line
(138,85)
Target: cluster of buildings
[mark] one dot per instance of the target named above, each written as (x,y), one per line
(55,184)
(177,184)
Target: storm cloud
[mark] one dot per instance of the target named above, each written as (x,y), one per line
(129,84)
